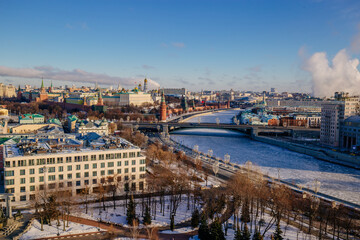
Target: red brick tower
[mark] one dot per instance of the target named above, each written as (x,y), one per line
(162,108)
(100,100)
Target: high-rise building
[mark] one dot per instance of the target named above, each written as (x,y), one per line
(333,115)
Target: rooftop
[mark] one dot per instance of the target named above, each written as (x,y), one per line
(33,145)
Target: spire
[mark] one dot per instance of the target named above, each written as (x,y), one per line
(42,83)
(162,97)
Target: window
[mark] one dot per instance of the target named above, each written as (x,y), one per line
(125,155)
(132,154)
(85,158)
(142,169)
(110,164)
(86,166)
(78,167)
(110,172)
(126,170)
(59,160)
(102,173)
(119,163)
(22,180)
(133,186)
(61,168)
(118,155)
(61,185)
(139,154)
(101,157)
(52,185)
(94,181)
(21,163)
(78,175)
(94,174)
(133,177)
(126,178)
(142,176)
(102,165)
(126,163)
(32,179)
(94,165)
(31,162)
(142,161)
(51,169)
(86,182)
(7,163)
(61,177)
(41,170)
(32,171)
(68,159)
(41,178)
(69,184)
(93,157)
(50,160)
(23,198)
(10,190)
(41,187)
(22,189)
(51,177)
(69,176)
(78,158)
(9,173)
(69,168)
(78,183)
(86,174)
(119,171)
(32,188)
(9,182)
(133,169)
(133,162)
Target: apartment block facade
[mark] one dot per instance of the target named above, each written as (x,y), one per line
(71,171)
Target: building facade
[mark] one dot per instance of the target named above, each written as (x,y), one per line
(70,170)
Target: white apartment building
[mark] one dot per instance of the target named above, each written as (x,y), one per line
(333,115)
(70,168)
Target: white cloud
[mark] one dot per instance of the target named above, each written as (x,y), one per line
(178,44)
(341,74)
(75,75)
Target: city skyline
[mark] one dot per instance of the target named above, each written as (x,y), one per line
(289,45)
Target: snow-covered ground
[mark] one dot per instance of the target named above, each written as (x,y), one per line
(52,231)
(118,215)
(337,181)
(289,232)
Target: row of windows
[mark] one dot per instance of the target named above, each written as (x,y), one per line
(23,198)
(70,167)
(86,182)
(84,158)
(70,175)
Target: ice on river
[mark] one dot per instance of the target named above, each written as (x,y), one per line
(337,181)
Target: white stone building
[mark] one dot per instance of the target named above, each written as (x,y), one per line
(65,165)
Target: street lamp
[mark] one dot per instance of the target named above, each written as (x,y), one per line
(227,158)
(215,168)
(210,153)
(217,121)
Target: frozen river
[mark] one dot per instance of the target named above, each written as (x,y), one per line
(338,181)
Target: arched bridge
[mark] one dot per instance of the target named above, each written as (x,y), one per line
(251,130)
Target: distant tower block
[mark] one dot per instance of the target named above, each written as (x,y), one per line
(163,108)
(145,85)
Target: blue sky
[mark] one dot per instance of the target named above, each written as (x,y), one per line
(244,45)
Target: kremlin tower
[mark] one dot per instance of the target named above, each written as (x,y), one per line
(163,108)
(100,100)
